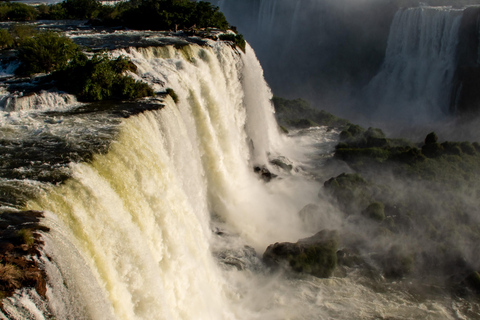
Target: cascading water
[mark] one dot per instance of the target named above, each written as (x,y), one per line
(324,51)
(168,219)
(415,82)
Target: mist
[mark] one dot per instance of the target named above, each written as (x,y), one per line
(409,69)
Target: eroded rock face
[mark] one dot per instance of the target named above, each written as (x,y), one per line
(19,252)
(316,255)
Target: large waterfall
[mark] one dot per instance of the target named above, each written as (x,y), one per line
(167,219)
(131,231)
(414,84)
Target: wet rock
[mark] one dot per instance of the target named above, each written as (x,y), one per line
(283,163)
(240,258)
(316,255)
(264,173)
(19,252)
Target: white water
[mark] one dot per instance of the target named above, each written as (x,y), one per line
(132,230)
(415,81)
(44,101)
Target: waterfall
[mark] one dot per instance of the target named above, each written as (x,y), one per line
(415,81)
(132,229)
(320,50)
(166,219)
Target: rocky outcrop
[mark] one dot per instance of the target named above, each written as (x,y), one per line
(316,255)
(19,252)
(264,173)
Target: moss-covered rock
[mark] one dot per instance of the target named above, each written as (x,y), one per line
(375,211)
(299,114)
(398,262)
(316,255)
(351,191)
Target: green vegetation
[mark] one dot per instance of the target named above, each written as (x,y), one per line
(425,192)
(319,260)
(95,79)
(298,113)
(16,11)
(100,78)
(168,14)
(237,40)
(26,236)
(375,211)
(15,35)
(6,40)
(172,94)
(135,14)
(45,52)
(450,162)
(351,191)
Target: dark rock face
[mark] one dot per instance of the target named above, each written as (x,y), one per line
(316,255)
(264,173)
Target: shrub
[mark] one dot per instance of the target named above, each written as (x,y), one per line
(375,211)
(350,190)
(52,12)
(452,148)
(408,155)
(6,40)
(398,262)
(237,40)
(299,113)
(26,236)
(10,277)
(431,138)
(101,78)
(45,52)
(172,94)
(468,148)
(17,12)
(171,14)
(21,32)
(81,9)
(432,149)
(476,145)
(204,15)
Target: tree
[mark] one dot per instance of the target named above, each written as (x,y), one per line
(45,52)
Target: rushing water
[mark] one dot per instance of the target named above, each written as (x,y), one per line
(415,81)
(167,220)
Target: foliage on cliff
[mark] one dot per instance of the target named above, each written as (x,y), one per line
(298,113)
(101,78)
(15,11)
(95,79)
(169,14)
(237,40)
(415,202)
(45,52)
(135,14)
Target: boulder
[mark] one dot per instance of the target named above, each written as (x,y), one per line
(264,173)
(316,255)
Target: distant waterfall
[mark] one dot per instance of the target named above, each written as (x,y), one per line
(320,50)
(414,84)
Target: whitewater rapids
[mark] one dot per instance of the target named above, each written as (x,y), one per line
(150,228)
